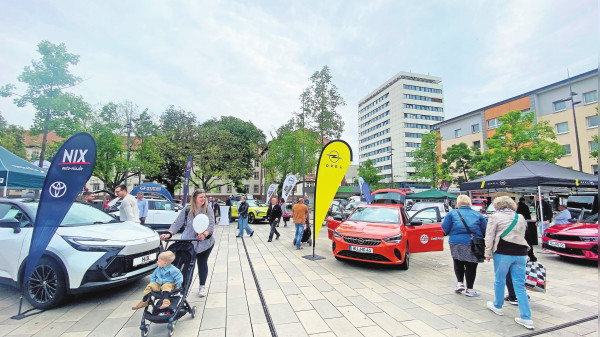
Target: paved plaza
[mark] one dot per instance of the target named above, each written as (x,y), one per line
(323,298)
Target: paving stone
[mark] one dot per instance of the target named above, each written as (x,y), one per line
(213,318)
(363,304)
(282,314)
(389,324)
(237,306)
(312,322)
(239,326)
(355,316)
(373,331)
(325,309)
(342,327)
(212,333)
(291,330)
(322,285)
(109,327)
(299,302)
(90,321)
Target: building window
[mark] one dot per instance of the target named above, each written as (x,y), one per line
(590,97)
(593,146)
(95,187)
(560,106)
(562,128)
(255,189)
(255,175)
(218,189)
(567,149)
(256,163)
(228,188)
(595,169)
(477,144)
(493,123)
(592,121)
(247,188)
(475,128)
(457,133)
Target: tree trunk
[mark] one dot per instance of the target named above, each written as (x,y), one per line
(44,136)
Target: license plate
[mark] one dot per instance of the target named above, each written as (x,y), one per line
(556,244)
(361,249)
(144,259)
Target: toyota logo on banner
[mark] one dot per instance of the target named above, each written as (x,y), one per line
(57,189)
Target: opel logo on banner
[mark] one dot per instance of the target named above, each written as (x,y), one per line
(334,156)
(57,189)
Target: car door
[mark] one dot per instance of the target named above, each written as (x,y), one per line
(151,218)
(164,214)
(13,243)
(424,230)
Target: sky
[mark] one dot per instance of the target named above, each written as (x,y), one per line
(252,59)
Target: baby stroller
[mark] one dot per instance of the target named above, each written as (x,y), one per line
(185,260)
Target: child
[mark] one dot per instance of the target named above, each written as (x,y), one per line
(165,278)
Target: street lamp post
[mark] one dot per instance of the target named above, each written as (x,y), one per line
(392,166)
(570,99)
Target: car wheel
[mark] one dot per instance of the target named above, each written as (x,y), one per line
(46,287)
(251,218)
(405,264)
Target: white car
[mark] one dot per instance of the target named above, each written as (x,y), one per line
(89,250)
(161,213)
(444,209)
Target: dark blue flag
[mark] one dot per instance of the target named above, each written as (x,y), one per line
(186,184)
(71,168)
(366,192)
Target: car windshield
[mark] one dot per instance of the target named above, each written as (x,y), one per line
(351,206)
(161,205)
(421,205)
(80,215)
(388,198)
(375,214)
(256,203)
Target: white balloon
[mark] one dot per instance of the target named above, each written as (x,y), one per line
(200,223)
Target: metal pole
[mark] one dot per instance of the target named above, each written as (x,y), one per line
(571,94)
(541,222)
(392,166)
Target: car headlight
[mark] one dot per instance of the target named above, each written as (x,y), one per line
(90,244)
(589,238)
(336,234)
(394,239)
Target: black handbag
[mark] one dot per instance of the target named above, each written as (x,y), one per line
(477,244)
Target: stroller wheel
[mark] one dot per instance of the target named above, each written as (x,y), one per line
(193,311)
(145,330)
(171,329)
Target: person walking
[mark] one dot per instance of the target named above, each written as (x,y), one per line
(242,210)
(282,205)
(128,210)
(458,225)
(215,207)
(523,209)
(300,215)
(505,243)
(229,203)
(142,204)
(274,214)
(206,242)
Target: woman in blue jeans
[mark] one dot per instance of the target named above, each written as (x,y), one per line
(505,243)
(243,218)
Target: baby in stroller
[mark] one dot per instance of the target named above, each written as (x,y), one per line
(165,279)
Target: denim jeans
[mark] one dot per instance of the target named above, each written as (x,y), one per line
(273,229)
(516,265)
(243,223)
(299,232)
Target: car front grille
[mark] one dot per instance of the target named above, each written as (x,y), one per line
(124,264)
(562,237)
(566,250)
(362,241)
(364,256)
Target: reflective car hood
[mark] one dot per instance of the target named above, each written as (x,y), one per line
(369,229)
(120,231)
(576,229)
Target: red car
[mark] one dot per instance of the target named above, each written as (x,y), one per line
(479,205)
(382,233)
(578,240)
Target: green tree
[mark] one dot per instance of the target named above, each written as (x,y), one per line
(12,138)
(225,150)
(178,134)
(320,102)
(284,153)
(146,159)
(519,138)
(427,161)
(46,79)
(461,160)
(370,174)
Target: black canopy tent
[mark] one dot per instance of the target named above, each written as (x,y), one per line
(527,175)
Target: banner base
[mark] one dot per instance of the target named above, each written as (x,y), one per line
(314,257)
(25,313)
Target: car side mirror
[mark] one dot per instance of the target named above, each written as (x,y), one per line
(11,223)
(416,223)
(338,217)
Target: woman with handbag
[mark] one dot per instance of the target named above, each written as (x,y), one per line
(465,228)
(505,243)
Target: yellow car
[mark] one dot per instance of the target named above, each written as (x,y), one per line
(257,211)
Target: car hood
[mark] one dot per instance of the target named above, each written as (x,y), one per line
(259,209)
(368,229)
(121,231)
(576,229)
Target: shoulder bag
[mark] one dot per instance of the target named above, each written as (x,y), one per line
(477,244)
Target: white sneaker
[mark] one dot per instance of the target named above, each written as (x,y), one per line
(493,308)
(202,291)
(459,288)
(525,322)
(472,293)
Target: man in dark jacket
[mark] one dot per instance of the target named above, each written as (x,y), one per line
(274,214)
(523,209)
(228,203)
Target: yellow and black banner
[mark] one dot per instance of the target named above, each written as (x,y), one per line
(335,159)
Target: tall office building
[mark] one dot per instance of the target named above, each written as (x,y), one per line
(393,118)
